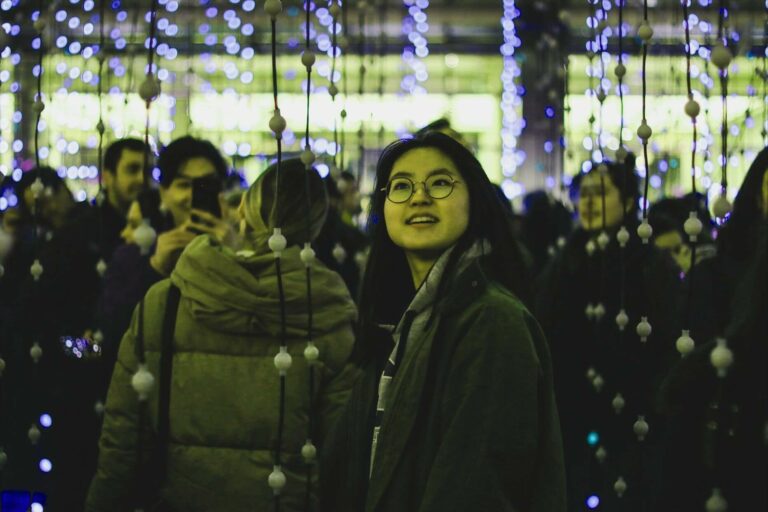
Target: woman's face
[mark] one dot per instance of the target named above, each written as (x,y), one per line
(422,225)
(177,197)
(591,203)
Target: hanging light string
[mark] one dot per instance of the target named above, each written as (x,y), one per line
(311,353)
(721,57)
(361,6)
(344,82)
(692,226)
(101,265)
(277,243)
(622,236)
(335,10)
(143,381)
(382,53)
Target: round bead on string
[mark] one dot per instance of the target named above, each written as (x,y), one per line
(276,479)
(641,428)
(644,131)
(684,343)
(98,407)
(618,403)
(38,106)
(620,70)
(311,352)
(692,108)
(145,237)
(308,59)
(277,242)
(273,8)
(645,31)
(598,383)
(601,454)
(277,123)
(721,357)
(361,258)
(600,94)
(716,502)
(334,9)
(307,255)
(590,311)
(644,329)
(644,231)
(98,339)
(143,382)
(339,253)
(621,154)
(33,434)
(307,157)
(602,240)
(622,236)
(721,56)
(590,247)
(309,452)
(101,267)
(599,311)
(36,352)
(333,90)
(283,360)
(620,486)
(722,207)
(591,373)
(561,241)
(3,458)
(100,127)
(149,89)
(692,226)
(2,366)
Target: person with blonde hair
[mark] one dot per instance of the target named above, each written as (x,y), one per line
(210,439)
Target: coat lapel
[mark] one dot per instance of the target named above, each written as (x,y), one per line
(398,421)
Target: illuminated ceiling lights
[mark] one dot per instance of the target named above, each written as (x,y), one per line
(511,124)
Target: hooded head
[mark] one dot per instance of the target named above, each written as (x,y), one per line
(293,199)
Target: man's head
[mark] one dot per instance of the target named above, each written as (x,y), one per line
(181,162)
(124,172)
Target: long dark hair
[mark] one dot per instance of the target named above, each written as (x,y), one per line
(737,237)
(387,287)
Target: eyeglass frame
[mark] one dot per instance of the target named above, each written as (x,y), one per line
(453,181)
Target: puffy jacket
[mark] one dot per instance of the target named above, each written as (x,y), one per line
(224,397)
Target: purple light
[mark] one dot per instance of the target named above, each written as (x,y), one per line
(593,502)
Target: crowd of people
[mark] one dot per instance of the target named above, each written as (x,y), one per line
(471,357)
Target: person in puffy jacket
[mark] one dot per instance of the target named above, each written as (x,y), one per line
(224,388)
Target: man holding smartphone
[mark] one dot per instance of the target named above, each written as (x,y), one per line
(192,173)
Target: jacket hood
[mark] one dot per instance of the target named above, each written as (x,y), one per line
(238,293)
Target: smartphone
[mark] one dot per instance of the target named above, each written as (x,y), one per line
(205,195)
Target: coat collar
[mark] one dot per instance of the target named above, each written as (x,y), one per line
(408,387)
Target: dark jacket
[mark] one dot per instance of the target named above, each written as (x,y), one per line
(471,422)
(626,365)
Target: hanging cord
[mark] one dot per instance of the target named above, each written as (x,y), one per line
(311,353)
(278,243)
(764,131)
(333,90)
(692,226)
(382,54)
(721,57)
(344,75)
(101,266)
(361,90)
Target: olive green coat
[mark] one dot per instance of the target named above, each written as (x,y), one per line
(471,422)
(225,388)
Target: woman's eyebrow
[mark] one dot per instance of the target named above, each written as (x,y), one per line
(407,174)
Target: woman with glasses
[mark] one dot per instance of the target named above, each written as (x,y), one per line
(455,409)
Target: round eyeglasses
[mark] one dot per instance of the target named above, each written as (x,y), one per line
(401,189)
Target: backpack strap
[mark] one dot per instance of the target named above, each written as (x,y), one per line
(166,372)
